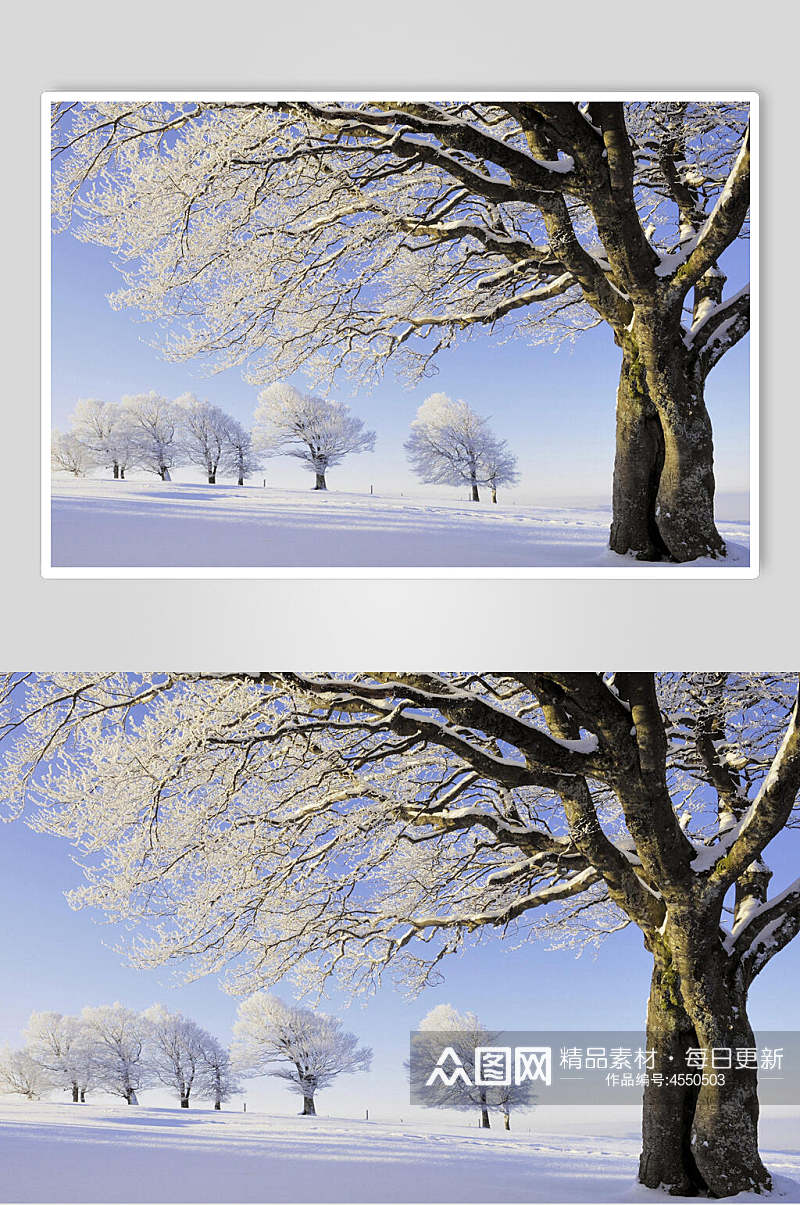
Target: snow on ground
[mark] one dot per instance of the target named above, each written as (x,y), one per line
(65,1153)
(139,524)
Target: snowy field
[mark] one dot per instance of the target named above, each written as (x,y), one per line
(139,524)
(62,1152)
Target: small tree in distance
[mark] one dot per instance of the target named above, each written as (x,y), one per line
(118,1037)
(240,458)
(205,431)
(218,1080)
(102,429)
(155,428)
(61,1047)
(450,444)
(499,466)
(315,431)
(175,1050)
(22,1075)
(444,1027)
(306,1049)
(69,455)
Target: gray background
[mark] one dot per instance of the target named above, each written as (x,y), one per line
(575,624)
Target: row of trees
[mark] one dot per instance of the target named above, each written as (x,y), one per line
(449,443)
(151,432)
(115,1050)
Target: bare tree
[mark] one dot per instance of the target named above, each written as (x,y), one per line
(307,1050)
(498,466)
(448,443)
(218,1081)
(68,454)
(317,432)
(102,428)
(175,1048)
(118,1038)
(384,230)
(154,424)
(205,432)
(393,816)
(62,1048)
(23,1075)
(240,458)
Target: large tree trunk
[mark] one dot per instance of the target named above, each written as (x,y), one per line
(725,1123)
(184,1102)
(217,1104)
(637,469)
(475,495)
(699,1139)
(75,1094)
(122,473)
(116,471)
(506,1121)
(212,478)
(320,484)
(667,1112)
(240,481)
(663,497)
(308,1107)
(83,1096)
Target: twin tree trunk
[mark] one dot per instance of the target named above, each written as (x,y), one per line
(320,484)
(308,1107)
(663,495)
(699,1140)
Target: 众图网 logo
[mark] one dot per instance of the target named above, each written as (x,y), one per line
(494,1065)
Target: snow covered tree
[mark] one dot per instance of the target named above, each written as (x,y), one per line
(325,824)
(217,1079)
(154,425)
(118,1038)
(452,445)
(175,1050)
(308,1050)
(68,454)
(60,1045)
(464,1035)
(205,431)
(356,233)
(101,427)
(240,458)
(498,466)
(22,1075)
(317,432)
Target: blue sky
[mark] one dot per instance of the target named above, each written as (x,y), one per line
(555,408)
(54,958)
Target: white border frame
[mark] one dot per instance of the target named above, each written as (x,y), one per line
(667,573)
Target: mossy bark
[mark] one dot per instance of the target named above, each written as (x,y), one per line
(663,496)
(667,1158)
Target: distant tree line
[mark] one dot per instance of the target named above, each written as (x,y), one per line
(449,444)
(115,1050)
(150,432)
(112,1049)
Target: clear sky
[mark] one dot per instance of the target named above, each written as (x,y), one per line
(555,408)
(54,958)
